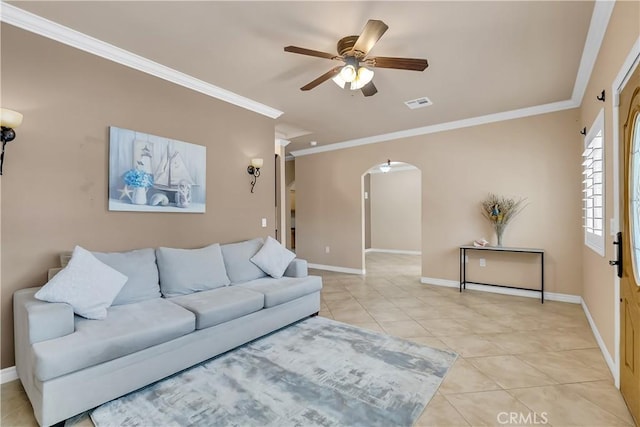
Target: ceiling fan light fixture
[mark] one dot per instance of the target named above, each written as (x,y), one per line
(348,73)
(339,81)
(364,76)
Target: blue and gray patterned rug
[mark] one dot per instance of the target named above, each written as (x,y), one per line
(317,372)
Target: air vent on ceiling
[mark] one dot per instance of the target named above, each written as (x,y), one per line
(419,103)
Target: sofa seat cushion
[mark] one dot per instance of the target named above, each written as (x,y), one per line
(127,329)
(285,289)
(220,305)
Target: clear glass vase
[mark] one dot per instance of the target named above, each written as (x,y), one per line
(499,230)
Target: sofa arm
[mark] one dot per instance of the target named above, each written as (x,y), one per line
(41,320)
(297,268)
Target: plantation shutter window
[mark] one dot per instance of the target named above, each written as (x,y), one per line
(593,186)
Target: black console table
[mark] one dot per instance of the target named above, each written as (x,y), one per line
(463,266)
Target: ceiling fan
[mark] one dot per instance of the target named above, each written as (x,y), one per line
(353,51)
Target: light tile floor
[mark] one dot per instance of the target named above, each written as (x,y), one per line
(537,363)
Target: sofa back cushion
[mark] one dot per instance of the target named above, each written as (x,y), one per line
(184,271)
(237,259)
(140,267)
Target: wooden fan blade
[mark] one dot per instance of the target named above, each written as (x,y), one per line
(369,37)
(310,52)
(413,64)
(323,78)
(369,89)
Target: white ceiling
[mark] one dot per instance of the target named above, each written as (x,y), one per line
(484,57)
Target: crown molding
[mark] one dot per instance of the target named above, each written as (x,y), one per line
(38,25)
(28,21)
(442,127)
(602,10)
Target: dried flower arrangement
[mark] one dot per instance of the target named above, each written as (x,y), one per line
(500,210)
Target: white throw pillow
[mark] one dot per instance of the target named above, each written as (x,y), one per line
(273,258)
(86,284)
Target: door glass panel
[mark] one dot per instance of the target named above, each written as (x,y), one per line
(634,196)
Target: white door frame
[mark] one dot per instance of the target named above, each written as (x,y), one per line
(628,67)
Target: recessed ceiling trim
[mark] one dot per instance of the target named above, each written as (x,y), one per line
(52,30)
(602,10)
(443,127)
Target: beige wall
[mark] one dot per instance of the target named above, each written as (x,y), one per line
(55,177)
(290,202)
(599,279)
(535,157)
(396,200)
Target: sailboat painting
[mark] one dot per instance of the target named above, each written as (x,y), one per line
(149,173)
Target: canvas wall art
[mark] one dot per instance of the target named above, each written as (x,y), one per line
(149,173)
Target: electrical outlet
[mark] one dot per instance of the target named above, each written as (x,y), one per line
(483,262)
(366,195)
(264,222)
(327,249)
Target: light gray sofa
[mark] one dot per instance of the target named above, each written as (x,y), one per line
(69,364)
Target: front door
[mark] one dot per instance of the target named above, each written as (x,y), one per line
(630,281)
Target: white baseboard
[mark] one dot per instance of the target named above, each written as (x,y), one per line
(440,282)
(600,341)
(8,374)
(393,251)
(337,269)
(551,296)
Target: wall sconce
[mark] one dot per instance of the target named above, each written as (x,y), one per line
(254,170)
(9,119)
(385,167)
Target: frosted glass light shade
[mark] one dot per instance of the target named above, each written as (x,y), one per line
(339,81)
(385,168)
(364,76)
(9,118)
(348,73)
(257,163)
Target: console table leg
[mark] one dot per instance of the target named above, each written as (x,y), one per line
(542,279)
(461,261)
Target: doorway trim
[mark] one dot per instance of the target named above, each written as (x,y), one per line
(628,67)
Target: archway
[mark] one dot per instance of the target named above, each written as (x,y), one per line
(392,219)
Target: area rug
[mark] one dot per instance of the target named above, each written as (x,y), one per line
(317,372)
